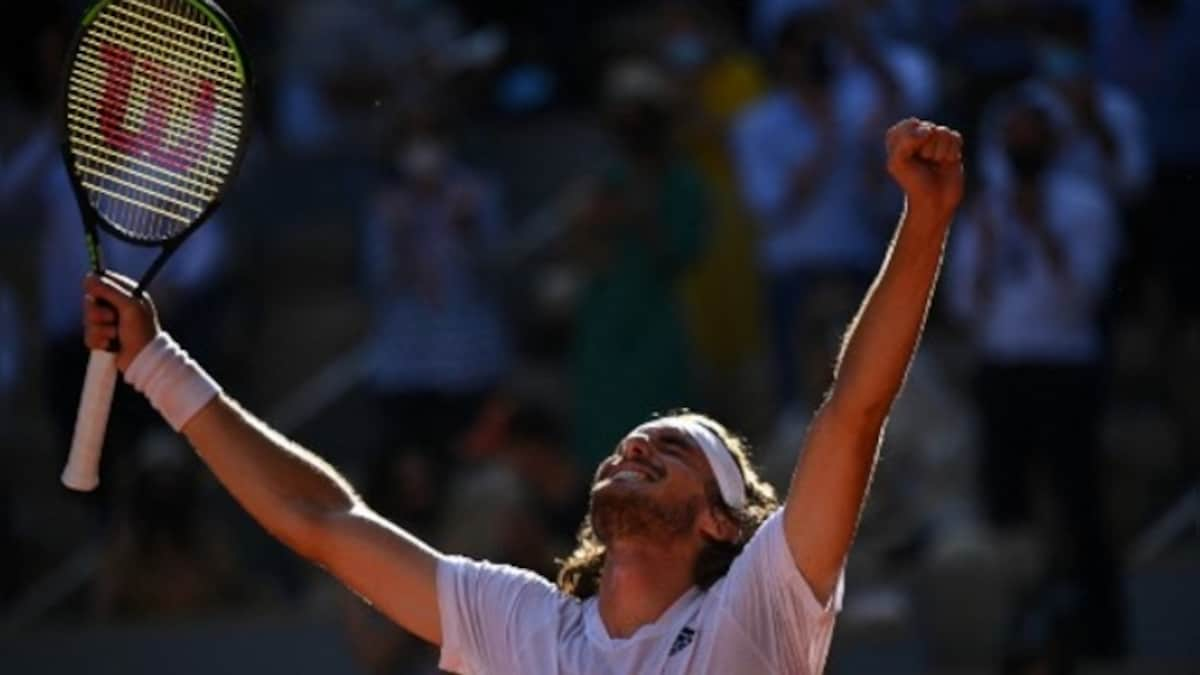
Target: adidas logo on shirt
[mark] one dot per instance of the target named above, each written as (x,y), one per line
(682,640)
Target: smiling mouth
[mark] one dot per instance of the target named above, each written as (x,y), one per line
(632,472)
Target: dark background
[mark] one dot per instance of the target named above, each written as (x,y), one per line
(472,241)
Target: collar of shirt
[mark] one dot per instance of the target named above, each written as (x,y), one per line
(668,624)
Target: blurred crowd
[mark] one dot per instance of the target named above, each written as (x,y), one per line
(526,226)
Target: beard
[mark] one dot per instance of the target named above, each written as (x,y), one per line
(615,513)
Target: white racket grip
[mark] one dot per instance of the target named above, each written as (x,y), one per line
(82,472)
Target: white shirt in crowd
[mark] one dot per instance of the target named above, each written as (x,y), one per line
(1033,314)
(761,617)
(778,134)
(437,323)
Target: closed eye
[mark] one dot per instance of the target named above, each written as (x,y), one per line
(672,442)
(675,446)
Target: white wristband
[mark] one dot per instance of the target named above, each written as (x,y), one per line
(175,384)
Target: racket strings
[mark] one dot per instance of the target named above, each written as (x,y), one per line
(179,37)
(90,76)
(225,135)
(194,38)
(155,106)
(144,43)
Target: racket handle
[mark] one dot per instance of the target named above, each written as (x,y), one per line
(82,472)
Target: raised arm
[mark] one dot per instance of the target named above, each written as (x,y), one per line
(835,465)
(295,495)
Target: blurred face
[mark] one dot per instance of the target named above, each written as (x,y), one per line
(655,484)
(803,54)
(1030,143)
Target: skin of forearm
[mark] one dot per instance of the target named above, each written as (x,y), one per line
(882,338)
(283,486)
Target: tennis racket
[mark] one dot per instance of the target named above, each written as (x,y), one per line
(156,117)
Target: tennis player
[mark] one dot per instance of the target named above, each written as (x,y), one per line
(686,563)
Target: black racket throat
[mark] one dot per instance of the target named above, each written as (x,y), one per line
(93,223)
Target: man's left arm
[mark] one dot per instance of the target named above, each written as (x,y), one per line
(835,465)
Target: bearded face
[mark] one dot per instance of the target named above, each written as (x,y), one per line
(659,488)
(654,485)
(618,513)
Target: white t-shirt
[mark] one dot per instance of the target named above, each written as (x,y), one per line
(761,617)
(1036,315)
(830,228)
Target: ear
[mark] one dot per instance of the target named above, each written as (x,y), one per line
(715,524)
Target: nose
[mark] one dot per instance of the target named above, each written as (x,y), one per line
(636,446)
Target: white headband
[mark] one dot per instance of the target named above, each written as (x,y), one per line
(724,467)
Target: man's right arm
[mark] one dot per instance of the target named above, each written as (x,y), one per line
(298,497)
(307,505)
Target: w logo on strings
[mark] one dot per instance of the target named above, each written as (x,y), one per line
(144,80)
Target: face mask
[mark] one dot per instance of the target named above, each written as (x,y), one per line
(686,51)
(1057,62)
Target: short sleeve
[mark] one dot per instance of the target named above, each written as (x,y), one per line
(775,607)
(489,613)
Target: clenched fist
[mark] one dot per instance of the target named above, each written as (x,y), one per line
(112,313)
(926,160)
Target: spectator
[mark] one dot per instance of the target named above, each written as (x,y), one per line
(1030,270)
(643,224)
(439,342)
(1105,139)
(716,80)
(1144,46)
(982,48)
(801,154)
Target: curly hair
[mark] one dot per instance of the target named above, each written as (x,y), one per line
(579,573)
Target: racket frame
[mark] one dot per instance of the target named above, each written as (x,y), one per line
(93,221)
